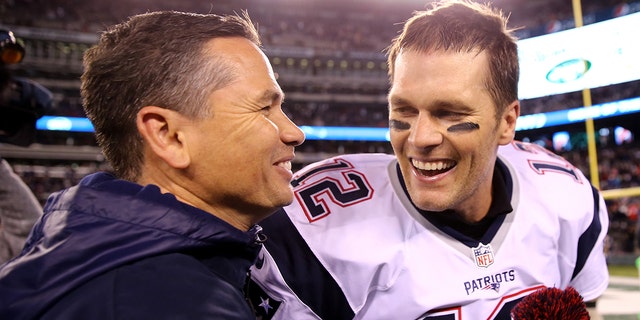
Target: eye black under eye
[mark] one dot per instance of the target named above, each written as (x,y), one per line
(464,127)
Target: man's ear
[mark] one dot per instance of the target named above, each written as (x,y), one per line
(507,125)
(161,130)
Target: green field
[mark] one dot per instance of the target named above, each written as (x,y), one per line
(623,270)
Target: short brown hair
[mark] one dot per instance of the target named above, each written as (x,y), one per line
(155,59)
(464,26)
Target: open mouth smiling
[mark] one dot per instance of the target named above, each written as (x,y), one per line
(433,168)
(285,165)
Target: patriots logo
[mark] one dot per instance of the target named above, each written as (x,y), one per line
(495,286)
(483,255)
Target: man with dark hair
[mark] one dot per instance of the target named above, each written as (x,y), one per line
(187,110)
(463,222)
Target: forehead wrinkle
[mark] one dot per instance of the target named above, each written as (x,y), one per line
(439,103)
(457,104)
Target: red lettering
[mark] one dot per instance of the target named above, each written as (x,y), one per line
(484,260)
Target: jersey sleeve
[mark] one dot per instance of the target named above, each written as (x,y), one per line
(590,275)
(566,196)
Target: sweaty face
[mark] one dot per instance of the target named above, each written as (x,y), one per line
(444,130)
(242,154)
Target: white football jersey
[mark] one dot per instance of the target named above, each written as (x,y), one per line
(352,245)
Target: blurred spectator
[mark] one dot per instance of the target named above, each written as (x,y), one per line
(21,103)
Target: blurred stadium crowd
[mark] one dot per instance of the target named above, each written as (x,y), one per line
(331,64)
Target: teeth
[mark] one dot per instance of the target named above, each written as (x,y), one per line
(286,165)
(438,165)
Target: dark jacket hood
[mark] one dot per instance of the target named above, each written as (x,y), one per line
(103,223)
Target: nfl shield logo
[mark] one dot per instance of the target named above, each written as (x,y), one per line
(483,255)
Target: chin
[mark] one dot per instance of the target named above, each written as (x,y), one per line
(281,200)
(288,201)
(429,205)
(432,208)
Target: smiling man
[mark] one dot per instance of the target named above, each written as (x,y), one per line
(463,222)
(188,112)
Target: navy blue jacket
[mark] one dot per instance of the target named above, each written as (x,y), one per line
(112,249)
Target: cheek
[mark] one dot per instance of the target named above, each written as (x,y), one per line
(396,144)
(480,151)
(398,137)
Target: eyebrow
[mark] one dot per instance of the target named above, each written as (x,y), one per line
(398,101)
(272,95)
